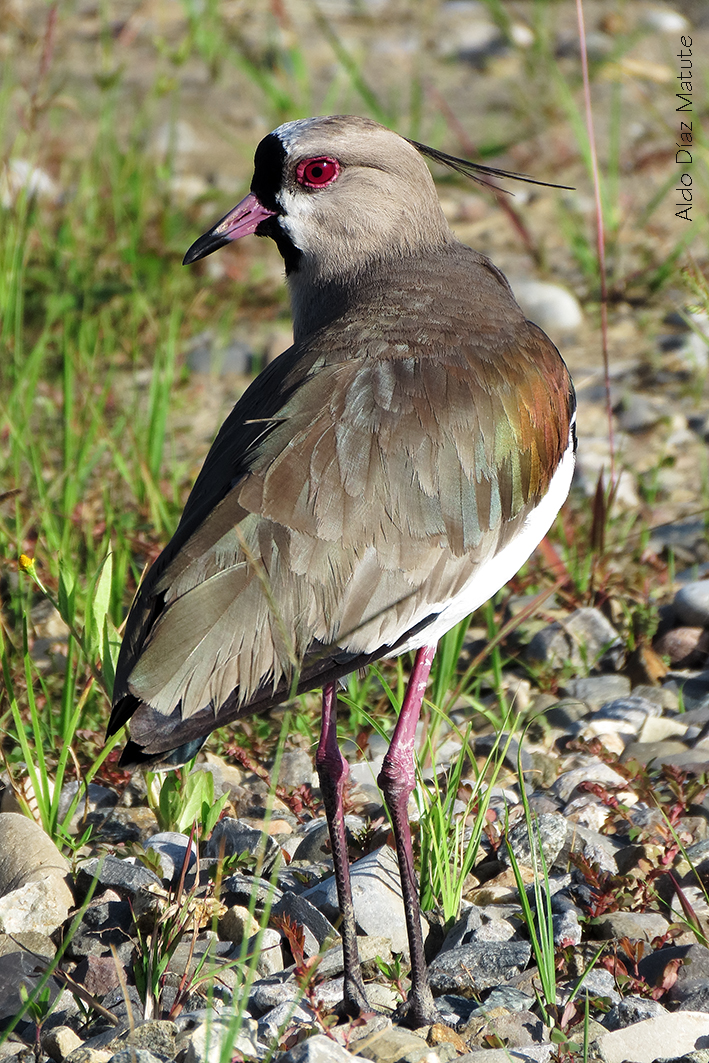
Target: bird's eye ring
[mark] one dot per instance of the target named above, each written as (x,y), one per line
(317,173)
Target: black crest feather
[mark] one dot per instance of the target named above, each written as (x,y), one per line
(475,169)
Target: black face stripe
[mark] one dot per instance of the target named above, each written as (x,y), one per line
(269,176)
(269,171)
(290,253)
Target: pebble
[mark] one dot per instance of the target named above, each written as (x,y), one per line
(171,848)
(318,930)
(585,639)
(555,309)
(232,837)
(597,690)
(677,1033)
(468,969)
(638,413)
(636,926)
(317,1049)
(403,1046)
(208,1042)
(632,1009)
(686,647)
(550,829)
(376,893)
(109,872)
(691,604)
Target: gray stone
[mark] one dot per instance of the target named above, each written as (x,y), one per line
(553,308)
(27,854)
(269,993)
(495,930)
(455,1010)
(593,770)
(697,999)
(567,929)
(691,603)
(369,948)
(86,1054)
(240,889)
(315,843)
(693,969)
(516,1030)
(694,691)
(462,931)
(206,357)
(157,1036)
(484,744)
(634,710)
(632,1009)
(682,1031)
(286,1015)
(637,926)
(302,911)
(219,1037)
(529,1054)
(318,1049)
(270,953)
(135,1055)
(505,996)
(97,798)
(232,837)
(639,413)
(597,983)
(111,873)
(564,714)
(686,539)
(584,639)
(19,970)
(171,848)
(396,1043)
(666,752)
(598,690)
(468,969)
(296,768)
(376,892)
(550,828)
(40,906)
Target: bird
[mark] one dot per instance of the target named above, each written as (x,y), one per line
(373,486)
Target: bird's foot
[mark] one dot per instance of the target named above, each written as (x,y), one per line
(354,1003)
(418,1010)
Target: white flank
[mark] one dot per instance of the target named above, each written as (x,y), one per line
(496,572)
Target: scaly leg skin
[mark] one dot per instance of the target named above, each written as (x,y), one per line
(333,771)
(397,780)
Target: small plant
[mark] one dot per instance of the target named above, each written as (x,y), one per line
(48,743)
(540,921)
(182,797)
(393,973)
(448,841)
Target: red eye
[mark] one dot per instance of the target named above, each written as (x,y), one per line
(316,173)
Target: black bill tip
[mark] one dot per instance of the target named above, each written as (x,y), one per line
(204,246)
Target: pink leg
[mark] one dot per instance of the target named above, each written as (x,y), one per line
(397,780)
(333,771)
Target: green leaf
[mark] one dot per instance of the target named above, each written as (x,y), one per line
(101,600)
(66,598)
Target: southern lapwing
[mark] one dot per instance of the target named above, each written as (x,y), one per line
(379,481)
